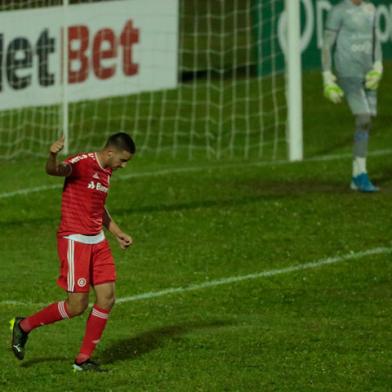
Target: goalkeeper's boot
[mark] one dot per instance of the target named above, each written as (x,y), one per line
(19,338)
(362,183)
(87,366)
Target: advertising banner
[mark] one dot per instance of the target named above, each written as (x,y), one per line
(113,48)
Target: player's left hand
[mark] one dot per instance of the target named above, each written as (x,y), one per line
(124,240)
(374,76)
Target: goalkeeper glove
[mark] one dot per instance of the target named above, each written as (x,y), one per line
(374,76)
(331,90)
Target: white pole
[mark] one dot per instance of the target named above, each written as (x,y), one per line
(294,76)
(64,111)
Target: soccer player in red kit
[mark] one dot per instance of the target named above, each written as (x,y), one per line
(85,257)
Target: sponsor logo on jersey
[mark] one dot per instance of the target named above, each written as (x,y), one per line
(100,187)
(366,47)
(97,186)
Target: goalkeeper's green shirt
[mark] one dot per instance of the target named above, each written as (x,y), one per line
(357,46)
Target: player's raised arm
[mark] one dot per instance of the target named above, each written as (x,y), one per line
(53,167)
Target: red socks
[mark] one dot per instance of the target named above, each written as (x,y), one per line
(49,315)
(95,325)
(58,311)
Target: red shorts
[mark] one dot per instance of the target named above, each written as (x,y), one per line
(82,265)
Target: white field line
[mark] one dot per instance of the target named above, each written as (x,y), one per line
(234,279)
(164,172)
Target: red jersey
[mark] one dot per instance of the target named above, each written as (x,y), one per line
(84,196)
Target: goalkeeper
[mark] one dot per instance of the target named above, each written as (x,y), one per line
(351,34)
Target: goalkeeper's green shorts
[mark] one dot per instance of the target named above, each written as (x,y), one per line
(359,98)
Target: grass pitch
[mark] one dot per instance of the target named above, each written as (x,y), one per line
(321,329)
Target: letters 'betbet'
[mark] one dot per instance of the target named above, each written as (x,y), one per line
(20,55)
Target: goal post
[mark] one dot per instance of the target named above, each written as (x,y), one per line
(280,20)
(64,118)
(294,81)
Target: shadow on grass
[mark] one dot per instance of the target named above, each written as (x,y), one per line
(36,361)
(136,346)
(383,177)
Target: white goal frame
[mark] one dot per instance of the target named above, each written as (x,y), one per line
(294,81)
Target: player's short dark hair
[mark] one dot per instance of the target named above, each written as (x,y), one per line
(121,141)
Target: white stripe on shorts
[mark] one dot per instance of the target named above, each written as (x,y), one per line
(99,314)
(71,266)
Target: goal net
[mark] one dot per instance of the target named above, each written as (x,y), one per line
(186,78)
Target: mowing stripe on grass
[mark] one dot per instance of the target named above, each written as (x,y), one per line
(235,279)
(163,172)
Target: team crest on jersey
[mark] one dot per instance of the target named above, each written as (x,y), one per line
(369,9)
(96,176)
(82,282)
